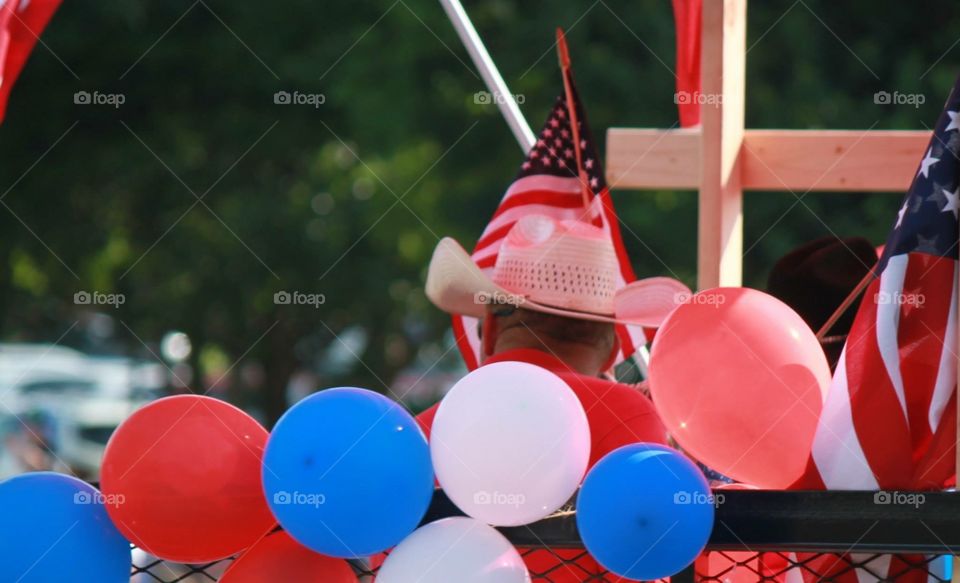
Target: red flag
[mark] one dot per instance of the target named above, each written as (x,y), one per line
(21,22)
(6,15)
(561,177)
(687,16)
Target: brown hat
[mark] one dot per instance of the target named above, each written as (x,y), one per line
(816,277)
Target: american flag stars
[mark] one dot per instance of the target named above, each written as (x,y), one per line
(555,151)
(937,183)
(927,221)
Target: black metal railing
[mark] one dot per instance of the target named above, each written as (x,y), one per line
(758,536)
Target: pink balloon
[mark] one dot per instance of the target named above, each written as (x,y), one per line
(739,380)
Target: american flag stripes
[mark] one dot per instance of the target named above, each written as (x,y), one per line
(548,183)
(889,417)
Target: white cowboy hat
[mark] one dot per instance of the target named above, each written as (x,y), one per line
(567,268)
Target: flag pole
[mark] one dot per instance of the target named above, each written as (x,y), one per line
(491,76)
(843,307)
(643,355)
(564,56)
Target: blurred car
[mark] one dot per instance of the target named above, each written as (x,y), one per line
(83,425)
(33,373)
(81,398)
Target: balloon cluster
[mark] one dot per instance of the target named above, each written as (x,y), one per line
(510,444)
(180,479)
(348,473)
(192,479)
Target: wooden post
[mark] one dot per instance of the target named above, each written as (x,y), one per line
(720,223)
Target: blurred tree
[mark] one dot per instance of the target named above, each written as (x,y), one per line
(199,197)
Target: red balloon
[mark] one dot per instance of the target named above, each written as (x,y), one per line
(184,472)
(280,558)
(739,380)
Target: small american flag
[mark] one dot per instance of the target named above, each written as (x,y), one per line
(889,420)
(549,183)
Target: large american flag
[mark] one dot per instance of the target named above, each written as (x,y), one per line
(889,420)
(889,417)
(549,183)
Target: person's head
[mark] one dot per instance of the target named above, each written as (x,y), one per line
(565,274)
(587,346)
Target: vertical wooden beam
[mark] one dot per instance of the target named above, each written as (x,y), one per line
(723,70)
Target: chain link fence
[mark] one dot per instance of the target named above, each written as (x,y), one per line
(575,566)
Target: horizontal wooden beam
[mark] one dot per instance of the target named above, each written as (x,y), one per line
(653,159)
(796,160)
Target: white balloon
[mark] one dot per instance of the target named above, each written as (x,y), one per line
(459,549)
(510,443)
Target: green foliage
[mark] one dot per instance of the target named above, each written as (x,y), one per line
(348,199)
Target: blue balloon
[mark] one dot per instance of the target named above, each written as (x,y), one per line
(645,511)
(55,527)
(347,472)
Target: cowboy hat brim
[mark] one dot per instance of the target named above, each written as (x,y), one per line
(457,286)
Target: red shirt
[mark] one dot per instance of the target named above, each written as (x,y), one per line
(618,414)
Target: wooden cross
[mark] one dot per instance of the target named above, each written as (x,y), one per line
(723,159)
